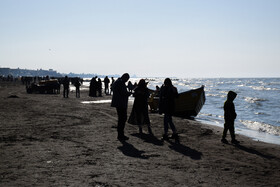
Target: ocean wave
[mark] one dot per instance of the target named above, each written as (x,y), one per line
(261,88)
(254,99)
(212,115)
(262,127)
(241,85)
(260,113)
(214,95)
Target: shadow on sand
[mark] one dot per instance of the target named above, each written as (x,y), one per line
(253,151)
(129,150)
(149,138)
(180,148)
(174,146)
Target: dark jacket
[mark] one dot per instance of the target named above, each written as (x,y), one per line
(120,94)
(66,83)
(167,99)
(106,82)
(229,109)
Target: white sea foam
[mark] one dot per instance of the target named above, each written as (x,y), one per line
(262,127)
(262,88)
(254,99)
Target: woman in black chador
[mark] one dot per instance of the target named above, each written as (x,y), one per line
(168,93)
(139,114)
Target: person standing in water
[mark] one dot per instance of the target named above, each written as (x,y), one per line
(229,116)
(120,101)
(168,93)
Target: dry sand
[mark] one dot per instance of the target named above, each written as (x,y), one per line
(46,140)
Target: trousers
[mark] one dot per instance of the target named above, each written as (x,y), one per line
(122,117)
(229,125)
(168,122)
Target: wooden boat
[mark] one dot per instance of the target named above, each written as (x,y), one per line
(51,86)
(187,104)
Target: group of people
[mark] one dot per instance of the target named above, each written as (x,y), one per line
(167,94)
(95,88)
(66,86)
(139,114)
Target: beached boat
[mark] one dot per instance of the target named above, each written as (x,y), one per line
(51,86)
(187,104)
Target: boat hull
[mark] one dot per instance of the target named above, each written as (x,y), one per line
(187,104)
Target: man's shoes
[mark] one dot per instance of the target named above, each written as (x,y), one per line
(235,141)
(176,138)
(223,140)
(122,138)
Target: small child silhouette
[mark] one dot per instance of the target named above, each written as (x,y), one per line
(229,116)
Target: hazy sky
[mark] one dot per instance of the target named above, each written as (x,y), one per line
(178,38)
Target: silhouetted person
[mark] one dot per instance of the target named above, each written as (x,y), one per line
(157,91)
(99,87)
(106,84)
(139,114)
(229,116)
(154,103)
(130,86)
(113,81)
(77,84)
(168,93)
(120,101)
(66,83)
(93,87)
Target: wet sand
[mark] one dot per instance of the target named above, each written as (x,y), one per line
(47,140)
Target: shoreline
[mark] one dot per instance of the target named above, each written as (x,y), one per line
(48,140)
(250,133)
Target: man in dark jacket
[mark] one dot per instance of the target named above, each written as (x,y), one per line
(106,82)
(120,101)
(66,83)
(229,116)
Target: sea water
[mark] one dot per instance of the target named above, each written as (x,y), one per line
(257,103)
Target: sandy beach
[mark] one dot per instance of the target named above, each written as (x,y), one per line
(48,140)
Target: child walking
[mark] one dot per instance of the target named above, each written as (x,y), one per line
(229,116)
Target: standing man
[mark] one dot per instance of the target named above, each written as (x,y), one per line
(120,100)
(66,83)
(106,82)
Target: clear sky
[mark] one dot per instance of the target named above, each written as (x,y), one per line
(178,38)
